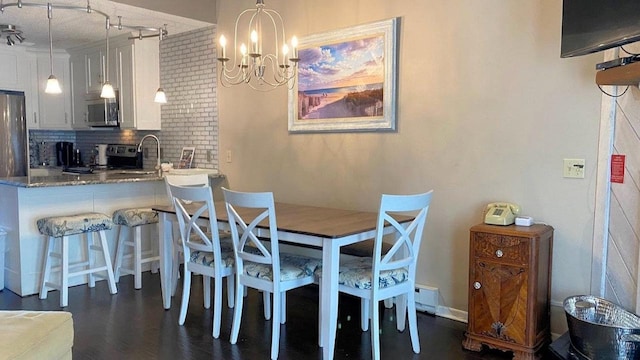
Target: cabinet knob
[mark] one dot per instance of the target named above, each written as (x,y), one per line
(477,285)
(499,253)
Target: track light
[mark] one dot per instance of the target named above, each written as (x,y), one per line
(9,31)
(10,42)
(19,37)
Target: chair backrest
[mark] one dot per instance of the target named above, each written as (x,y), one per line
(185,180)
(404,252)
(246,211)
(192,205)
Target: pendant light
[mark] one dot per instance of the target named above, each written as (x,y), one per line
(107,89)
(161,97)
(53,86)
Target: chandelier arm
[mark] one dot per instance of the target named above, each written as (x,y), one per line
(270,14)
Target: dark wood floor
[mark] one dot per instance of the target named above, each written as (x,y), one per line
(133,325)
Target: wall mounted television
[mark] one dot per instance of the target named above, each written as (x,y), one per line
(594,25)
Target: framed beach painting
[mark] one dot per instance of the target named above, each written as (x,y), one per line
(346,80)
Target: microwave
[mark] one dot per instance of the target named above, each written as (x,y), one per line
(102,112)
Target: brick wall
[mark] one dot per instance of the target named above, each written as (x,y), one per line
(188,76)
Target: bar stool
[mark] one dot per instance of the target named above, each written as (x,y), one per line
(61,227)
(133,219)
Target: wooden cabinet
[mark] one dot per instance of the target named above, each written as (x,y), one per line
(54,110)
(509,288)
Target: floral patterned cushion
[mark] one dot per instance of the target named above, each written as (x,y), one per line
(135,217)
(291,267)
(58,226)
(357,273)
(206,257)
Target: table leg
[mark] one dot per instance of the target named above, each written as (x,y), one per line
(165,247)
(329,293)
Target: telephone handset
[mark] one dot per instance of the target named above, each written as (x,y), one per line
(501,213)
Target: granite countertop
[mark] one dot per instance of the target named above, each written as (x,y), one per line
(104,177)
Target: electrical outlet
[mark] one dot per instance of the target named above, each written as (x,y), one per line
(573,168)
(228,156)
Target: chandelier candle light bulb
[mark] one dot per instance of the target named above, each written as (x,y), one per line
(260,64)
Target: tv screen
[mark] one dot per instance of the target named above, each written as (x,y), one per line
(595,25)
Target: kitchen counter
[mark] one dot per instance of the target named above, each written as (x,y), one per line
(23,200)
(103,177)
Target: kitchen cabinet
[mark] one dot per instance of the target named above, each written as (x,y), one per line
(134,70)
(16,76)
(139,75)
(509,289)
(78,91)
(53,110)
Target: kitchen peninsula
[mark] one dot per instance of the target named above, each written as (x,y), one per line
(25,199)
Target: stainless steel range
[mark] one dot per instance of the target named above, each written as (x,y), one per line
(123,156)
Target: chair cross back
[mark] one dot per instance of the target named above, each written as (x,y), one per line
(408,238)
(189,223)
(249,231)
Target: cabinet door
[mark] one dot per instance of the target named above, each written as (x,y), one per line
(498,307)
(127,87)
(78,69)
(95,70)
(54,109)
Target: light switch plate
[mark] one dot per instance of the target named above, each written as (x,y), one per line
(573,168)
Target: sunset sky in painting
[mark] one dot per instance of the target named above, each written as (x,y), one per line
(351,63)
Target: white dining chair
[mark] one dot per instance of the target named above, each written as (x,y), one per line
(391,274)
(188,180)
(258,266)
(204,251)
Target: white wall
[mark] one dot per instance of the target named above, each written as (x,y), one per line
(487,110)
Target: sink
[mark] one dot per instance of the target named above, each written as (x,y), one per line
(137,172)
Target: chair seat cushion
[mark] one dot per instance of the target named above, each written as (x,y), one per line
(364,248)
(135,217)
(358,272)
(36,335)
(206,258)
(291,267)
(58,226)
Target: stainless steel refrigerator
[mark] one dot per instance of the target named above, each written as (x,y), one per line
(13,134)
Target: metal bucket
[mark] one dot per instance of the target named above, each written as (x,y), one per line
(601,330)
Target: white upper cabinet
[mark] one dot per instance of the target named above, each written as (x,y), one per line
(15,75)
(53,110)
(78,91)
(134,70)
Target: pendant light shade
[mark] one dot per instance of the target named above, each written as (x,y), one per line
(53,86)
(161,97)
(107,91)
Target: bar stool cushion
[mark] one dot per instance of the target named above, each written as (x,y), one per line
(135,217)
(58,226)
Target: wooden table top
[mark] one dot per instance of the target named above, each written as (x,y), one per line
(308,220)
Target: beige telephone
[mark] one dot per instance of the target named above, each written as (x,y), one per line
(501,213)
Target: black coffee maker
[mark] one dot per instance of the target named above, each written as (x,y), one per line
(64,154)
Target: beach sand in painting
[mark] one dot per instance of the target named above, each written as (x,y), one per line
(334,105)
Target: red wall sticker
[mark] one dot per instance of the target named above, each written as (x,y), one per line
(617,168)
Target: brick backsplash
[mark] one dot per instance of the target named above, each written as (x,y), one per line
(189,118)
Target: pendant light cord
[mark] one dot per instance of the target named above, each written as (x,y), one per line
(106,68)
(50,15)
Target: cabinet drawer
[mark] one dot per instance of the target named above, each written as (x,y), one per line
(501,247)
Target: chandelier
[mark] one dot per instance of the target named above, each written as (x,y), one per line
(253,64)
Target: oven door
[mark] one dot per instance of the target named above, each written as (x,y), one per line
(103,112)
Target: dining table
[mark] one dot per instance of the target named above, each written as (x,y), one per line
(324,228)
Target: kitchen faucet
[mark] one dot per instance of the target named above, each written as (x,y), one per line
(158,143)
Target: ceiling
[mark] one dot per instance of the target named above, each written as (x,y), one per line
(71,28)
